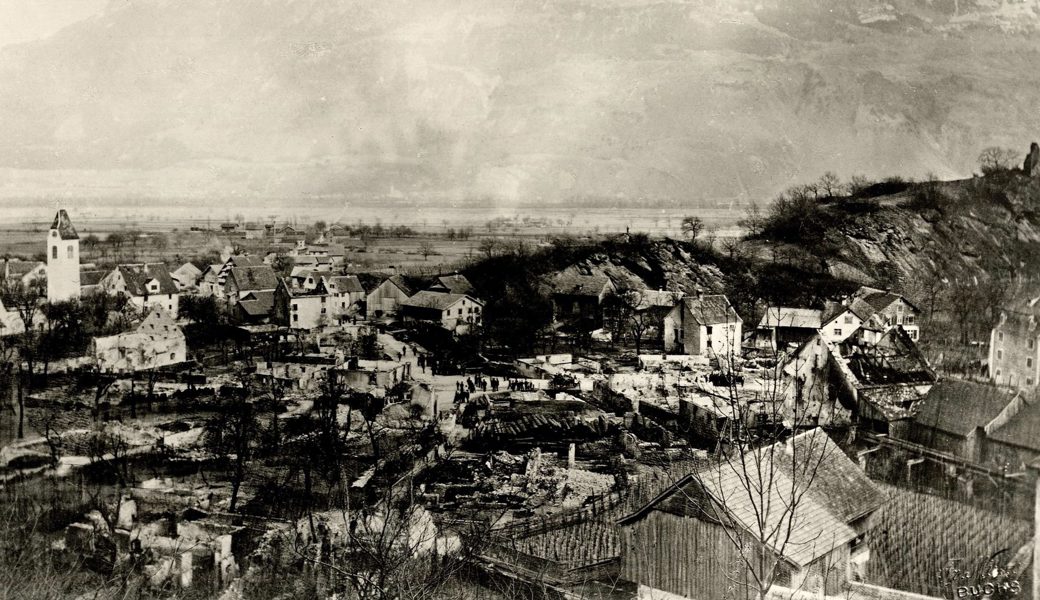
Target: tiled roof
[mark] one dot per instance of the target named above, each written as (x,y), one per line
(87,278)
(259,277)
(879,299)
(347,284)
(862,309)
(657,299)
(1022,430)
(137,277)
(63,224)
(782,316)
(18,268)
(257,303)
(575,284)
(711,309)
(832,493)
(244,260)
(958,407)
(453,284)
(400,282)
(434,300)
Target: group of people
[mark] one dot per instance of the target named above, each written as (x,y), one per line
(521,385)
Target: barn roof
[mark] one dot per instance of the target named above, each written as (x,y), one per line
(833,492)
(958,407)
(435,300)
(799,318)
(453,284)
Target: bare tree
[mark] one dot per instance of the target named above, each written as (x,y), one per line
(995,159)
(26,299)
(426,249)
(232,432)
(763,471)
(692,227)
(489,246)
(830,184)
(753,220)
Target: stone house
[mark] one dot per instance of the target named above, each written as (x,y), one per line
(302,308)
(1014,346)
(156,342)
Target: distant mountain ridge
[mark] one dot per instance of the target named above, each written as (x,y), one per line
(711,102)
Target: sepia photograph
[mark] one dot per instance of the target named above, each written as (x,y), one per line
(519,299)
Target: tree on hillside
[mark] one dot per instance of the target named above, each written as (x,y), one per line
(753,221)
(830,184)
(995,159)
(692,227)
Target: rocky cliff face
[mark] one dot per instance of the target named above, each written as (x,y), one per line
(982,228)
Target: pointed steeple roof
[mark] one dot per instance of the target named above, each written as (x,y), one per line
(63,224)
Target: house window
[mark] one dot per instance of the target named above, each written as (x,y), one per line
(54,252)
(848,319)
(998,373)
(909,320)
(69,251)
(1029,381)
(295,306)
(296,318)
(323,310)
(1031,343)
(913,334)
(1029,363)
(837,331)
(1000,354)
(173,355)
(1000,336)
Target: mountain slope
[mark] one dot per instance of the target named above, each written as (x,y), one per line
(510,100)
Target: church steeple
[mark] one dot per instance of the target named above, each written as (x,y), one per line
(62,259)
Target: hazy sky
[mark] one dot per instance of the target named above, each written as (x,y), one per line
(27,20)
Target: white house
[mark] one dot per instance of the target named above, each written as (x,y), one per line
(703,324)
(146,285)
(302,308)
(455,312)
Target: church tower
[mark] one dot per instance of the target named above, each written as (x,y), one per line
(62,259)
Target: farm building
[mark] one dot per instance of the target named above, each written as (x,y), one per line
(688,540)
(386,297)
